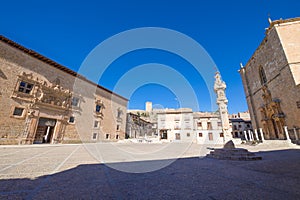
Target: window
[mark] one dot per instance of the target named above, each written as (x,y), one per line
(200,134)
(210,136)
(18,111)
(188,134)
(98,108)
(209,126)
(25,87)
(220,124)
(262,75)
(188,128)
(234,127)
(96,124)
(118,127)
(94,136)
(298,104)
(240,126)
(71,119)
(163,134)
(75,101)
(117,137)
(221,134)
(107,136)
(119,113)
(199,124)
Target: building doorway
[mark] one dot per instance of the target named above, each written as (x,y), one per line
(44,131)
(163,134)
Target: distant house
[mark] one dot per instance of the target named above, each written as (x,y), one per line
(208,127)
(240,122)
(240,125)
(137,127)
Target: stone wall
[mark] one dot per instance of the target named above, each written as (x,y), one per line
(278,55)
(14,62)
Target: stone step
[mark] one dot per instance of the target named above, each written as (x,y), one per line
(277,143)
(233,154)
(236,155)
(241,158)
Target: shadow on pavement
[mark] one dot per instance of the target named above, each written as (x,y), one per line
(277,176)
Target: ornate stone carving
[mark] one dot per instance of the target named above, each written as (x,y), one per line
(271,115)
(222,102)
(43,93)
(99,113)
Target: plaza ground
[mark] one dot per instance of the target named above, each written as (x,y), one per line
(145,171)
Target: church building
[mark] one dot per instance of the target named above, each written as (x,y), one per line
(271,80)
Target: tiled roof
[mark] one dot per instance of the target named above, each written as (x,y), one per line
(52,63)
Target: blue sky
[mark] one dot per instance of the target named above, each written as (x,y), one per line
(67,31)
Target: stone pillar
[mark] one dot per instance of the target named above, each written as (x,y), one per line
(261,134)
(287,134)
(31,131)
(296,136)
(250,135)
(256,135)
(57,134)
(219,88)
(246,137)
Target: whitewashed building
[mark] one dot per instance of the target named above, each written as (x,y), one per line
(184,125)
(176,125)
(208,128)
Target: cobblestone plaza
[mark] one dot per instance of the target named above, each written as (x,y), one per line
(72,172)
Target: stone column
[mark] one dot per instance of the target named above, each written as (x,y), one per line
(250,136)
(219,88)
(287,134)
(261,134)
(246,137)
(56,138)
(32,130)
(296,136)
(256,135)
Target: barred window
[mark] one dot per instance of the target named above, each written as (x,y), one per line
(98,108)
(25,87)
(18,111)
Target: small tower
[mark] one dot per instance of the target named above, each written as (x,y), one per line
(148,106)
(222,102)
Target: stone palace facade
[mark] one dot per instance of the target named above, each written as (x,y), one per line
(39,103)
